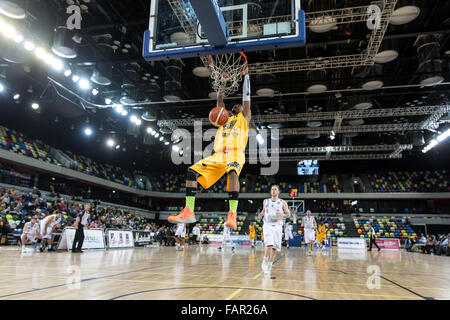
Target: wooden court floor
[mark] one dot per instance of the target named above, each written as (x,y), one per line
(203,272)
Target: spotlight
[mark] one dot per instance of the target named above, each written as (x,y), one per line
(133,118)
(68,73)
(18,38)
(75,78)
(166,143)
(138,122)
(157,135)
(119,108)
(124,113)
(181,152)
(9,31)
(149,130)
(41,53)
(176,148)
(110,142)
(94,92)
(16,96)
(161,139)
(29,46)
(56,64)
(84,84)
(88,131)
(2,88)
(118,147)
(108,101)
(332,135)
(35,106)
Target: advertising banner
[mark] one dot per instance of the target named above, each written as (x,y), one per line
(218,238)
(387,244)
(120,239)
(93,239)
(142,238)
(351,243)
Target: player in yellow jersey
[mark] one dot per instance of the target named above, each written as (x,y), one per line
(321,235)
(229,158)
(252,234)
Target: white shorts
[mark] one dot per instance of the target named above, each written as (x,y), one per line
(288,236)
(272,235)
(30,238)
(310,235)
(46,234)
(180,234)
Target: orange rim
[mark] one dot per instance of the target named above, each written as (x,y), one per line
(227,76)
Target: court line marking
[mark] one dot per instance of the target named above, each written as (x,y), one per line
(108,278)
(254,278)
(409,290)
(180,288)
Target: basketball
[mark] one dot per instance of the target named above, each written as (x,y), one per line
(218,116)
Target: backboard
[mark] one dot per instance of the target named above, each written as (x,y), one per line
(175,30)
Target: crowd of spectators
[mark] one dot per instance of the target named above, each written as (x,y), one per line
(439,245)
(17,208)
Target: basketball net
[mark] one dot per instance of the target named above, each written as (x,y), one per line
(227,71)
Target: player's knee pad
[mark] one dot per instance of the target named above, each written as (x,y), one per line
(192,175)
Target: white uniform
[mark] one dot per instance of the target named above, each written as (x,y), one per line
(181,230)
(226,235)
(273,227)
(288,232)
(31,229)
(46,234)
(309,229)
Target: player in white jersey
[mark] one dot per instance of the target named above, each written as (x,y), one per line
(226,238)
(309,224)
(288,233)
(48,225)
(31,232)
(272,213)
(180,235)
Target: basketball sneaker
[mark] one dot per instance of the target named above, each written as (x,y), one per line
(186,216)
(231,221)
(264,264)
(268,269)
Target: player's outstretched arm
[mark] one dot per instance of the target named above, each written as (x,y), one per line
(220,102)
(246,97)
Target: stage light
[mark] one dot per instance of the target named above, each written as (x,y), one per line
(108,101)
(157,135)
(110,142)
(332,135)
(56,64)
(166,143)
(88,131)
(9,31)
(118,147)
(443,136)
(161,139)
(41,53)
(18,38)
(16,96)
(2,88)
(124,113)
(68,73)
(133,118)
(176,148)
(84,84)
(138,122)
(75,78)
(94,92)
(149,130)
(29,46)
(118,108)
(35,106)
(260,139)
(433,143)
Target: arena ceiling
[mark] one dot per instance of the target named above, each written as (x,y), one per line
(388,104)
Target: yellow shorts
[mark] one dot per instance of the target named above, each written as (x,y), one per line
(252,236)
(211,169)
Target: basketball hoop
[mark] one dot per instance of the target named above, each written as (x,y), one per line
(227,71)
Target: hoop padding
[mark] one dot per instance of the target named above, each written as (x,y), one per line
(227,71)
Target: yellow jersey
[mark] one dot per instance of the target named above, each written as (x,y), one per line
(233,135)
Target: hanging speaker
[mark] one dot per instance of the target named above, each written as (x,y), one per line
(63,46)
(102,74)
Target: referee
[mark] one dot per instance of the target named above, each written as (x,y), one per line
(372,237)
(80,223)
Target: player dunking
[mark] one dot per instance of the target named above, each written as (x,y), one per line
(229,157)
(272,213)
